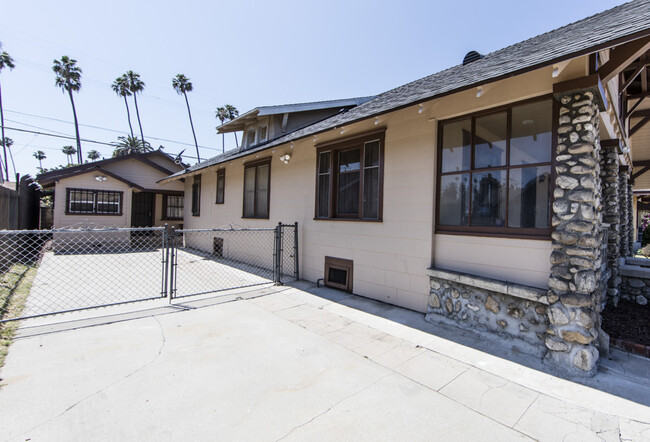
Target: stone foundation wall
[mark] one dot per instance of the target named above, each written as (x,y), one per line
(509,310)
(635,289)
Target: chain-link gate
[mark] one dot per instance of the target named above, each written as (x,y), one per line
(45,272)
(212,260)
(68,270)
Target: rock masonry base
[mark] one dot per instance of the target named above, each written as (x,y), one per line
(505,309)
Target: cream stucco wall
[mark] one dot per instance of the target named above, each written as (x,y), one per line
(390,257)
(87,181)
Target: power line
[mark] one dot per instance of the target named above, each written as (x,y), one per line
(97,127)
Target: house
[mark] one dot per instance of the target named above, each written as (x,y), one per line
(493,194)
(118,192)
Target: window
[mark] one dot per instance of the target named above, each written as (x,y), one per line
(172,207)
(221,186)
(495,171)
(261,134)
(250,138)
(349,178)
(257,187)
(93,202)
(196,196)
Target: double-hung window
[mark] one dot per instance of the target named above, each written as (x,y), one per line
(257,189)
(495,171)
(350,178)
(93,202)
(221,186)
(196,196)
(172,207)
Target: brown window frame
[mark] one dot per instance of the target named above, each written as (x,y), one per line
(221,173)
(94,193)
(196,196)
(256,164)
(163,215)
(504,232)
(358,141)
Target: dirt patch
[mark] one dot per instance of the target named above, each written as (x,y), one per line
(629,322)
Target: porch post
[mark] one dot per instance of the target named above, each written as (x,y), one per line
(630,214)
(612,215)
(624,207)
(576,288)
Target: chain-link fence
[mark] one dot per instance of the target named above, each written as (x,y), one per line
(80,269)
(71,270)
(212,260)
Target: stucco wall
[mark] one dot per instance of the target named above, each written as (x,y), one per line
(87,181)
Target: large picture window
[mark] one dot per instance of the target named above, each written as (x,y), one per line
(257,189)
(349,178)
(495,171)
(93,202)
(172,207)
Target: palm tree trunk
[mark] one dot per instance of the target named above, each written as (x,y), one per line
(128,115)
(4,148)
(76,128)
(137,112)
(40,164)
(192,124)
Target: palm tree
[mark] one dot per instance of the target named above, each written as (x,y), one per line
(232,113)
(40,156)
(127,145)
(5,62)
(182,85)
(68,78)
(69,151)
(93,155)
(135,86)
(222,115)
(121,87)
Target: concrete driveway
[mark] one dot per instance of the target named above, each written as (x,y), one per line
(300,363)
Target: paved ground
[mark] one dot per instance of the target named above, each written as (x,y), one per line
(300,363)
(72,281)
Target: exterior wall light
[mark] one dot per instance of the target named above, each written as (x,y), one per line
(479,92)
(100,178)
(285,158)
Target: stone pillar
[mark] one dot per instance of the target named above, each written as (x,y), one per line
(630,214)
(575,285)
(624,203)
(609,174)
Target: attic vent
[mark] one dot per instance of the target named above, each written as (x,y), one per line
(471,56)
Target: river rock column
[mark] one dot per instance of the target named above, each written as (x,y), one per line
(630,214)
(624,204)
(575,288)
(609,174)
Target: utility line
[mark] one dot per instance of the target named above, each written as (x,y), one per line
(97,127)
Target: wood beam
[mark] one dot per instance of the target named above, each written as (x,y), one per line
(639,125)
(633,108)
(621,57)
(640,172)
(640,114)
(632,77)
(642,163)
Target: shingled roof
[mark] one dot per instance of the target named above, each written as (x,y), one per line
(606,29)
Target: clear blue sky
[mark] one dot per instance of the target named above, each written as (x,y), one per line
(246,54)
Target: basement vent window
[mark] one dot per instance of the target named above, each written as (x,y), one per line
(217,247)
(338,273)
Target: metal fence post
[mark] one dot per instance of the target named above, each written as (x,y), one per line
(165,236)
(172,264)
(296,271)
(276,254)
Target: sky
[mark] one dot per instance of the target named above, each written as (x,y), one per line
(246,54)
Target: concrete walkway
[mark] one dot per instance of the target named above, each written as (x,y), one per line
(300,363)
